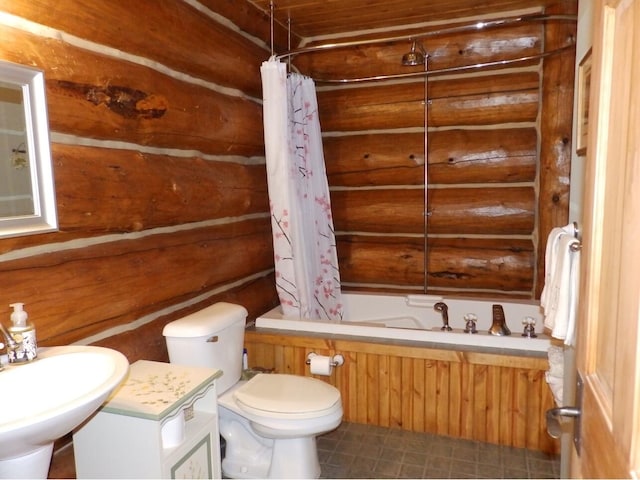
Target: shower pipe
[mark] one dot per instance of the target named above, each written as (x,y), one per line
(443,71)
(480,25)
(457,29)
(426,175)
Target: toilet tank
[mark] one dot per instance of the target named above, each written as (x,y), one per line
(212,337)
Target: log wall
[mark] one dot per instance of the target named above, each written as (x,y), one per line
(158,161)
(497,168)
(501,399)
(151,143)
(155,119)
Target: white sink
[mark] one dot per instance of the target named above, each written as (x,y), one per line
(45,399)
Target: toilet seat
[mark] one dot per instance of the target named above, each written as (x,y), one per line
(287,396)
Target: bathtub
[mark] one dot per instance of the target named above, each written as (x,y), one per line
(413,318)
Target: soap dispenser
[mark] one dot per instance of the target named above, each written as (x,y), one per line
(24,333)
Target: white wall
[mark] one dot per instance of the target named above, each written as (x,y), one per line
(584,42)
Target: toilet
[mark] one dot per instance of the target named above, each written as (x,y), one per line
(269,422)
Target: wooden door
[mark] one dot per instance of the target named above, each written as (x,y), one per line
(609,311)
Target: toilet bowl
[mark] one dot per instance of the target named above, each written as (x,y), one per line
(273,421)
(269,422)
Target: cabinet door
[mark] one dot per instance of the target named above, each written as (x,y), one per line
(197,458)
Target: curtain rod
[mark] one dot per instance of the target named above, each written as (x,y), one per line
(480,25)
(443,71)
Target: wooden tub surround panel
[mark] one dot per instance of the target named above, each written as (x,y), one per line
(489,397)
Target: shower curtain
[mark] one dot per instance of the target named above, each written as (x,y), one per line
(306,262)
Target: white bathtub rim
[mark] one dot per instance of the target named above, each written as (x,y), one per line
(456,338)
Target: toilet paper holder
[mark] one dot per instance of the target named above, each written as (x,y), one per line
(336,360)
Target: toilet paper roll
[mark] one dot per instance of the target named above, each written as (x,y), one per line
(172,431)
(321,365)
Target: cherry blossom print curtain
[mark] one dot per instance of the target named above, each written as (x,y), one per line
(306,261)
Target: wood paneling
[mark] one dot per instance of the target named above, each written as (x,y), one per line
(317,17)
(481,396)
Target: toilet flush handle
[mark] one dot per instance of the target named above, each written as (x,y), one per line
(213,339)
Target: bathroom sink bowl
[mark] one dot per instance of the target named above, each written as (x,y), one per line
(49,397)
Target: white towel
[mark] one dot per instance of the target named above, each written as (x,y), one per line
(560,292)
(555,375)
(550,257)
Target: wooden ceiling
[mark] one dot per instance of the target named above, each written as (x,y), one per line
(341,18)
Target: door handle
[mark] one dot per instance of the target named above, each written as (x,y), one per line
(564,412)
(553,424)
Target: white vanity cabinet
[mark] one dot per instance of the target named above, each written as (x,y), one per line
(162,422)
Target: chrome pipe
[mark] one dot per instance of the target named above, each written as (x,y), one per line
(479,25)
(443,71)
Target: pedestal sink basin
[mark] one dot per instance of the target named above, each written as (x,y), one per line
(47,398)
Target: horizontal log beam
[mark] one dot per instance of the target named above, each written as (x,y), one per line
(251,19)
(398,211)
(160,37)
(501,264)
(111,190)
(462,263)
(105,285)
(484,210)
(445,51)
(256,296)
(482,156)
(455,156)
(92,95)
(491,100)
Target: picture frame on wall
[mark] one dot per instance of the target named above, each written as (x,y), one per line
(584,84)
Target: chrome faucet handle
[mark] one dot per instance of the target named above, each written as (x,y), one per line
(470,325)
(529,327)
(10,344)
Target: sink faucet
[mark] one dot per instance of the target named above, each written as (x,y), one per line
(444,309)
(10,343)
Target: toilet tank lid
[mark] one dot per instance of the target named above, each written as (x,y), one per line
(211,319)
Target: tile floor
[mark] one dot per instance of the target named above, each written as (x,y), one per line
(361,451)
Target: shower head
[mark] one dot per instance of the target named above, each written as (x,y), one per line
(416,56)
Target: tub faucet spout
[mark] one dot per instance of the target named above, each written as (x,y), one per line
(499,324)
(444,309)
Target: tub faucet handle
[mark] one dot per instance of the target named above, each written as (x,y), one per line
(499,324)
(444,309)
(470,325)
(529,327)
